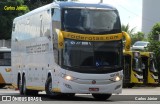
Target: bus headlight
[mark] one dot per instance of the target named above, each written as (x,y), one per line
(68,77)
(116,78)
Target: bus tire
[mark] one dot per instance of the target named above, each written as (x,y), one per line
(2,85)
(20,86)
(48,87)
(101,97)
(25,90)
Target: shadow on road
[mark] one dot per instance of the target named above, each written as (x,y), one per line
(66,98)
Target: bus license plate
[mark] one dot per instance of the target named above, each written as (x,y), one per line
(93,89)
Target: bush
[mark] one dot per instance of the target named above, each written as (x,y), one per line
(154,45)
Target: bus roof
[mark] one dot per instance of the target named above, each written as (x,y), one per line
(67,5)
(84,5)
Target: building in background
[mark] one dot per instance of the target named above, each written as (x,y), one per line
(150,15)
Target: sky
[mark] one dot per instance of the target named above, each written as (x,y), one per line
(130,11)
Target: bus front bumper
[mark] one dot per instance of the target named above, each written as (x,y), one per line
(109,87)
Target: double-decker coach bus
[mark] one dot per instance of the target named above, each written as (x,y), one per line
(133,74)
(5,66)
(150,72)
(69,48)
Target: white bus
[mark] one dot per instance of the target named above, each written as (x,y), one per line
(69,48)
(5,66)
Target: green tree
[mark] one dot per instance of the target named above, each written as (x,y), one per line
(7,16)
(127,29)
(33,4)
(139,36)
(154,45)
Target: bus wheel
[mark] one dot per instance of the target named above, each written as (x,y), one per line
(2,85)
(48,87)
(101,97)
(25,90)
(20,86)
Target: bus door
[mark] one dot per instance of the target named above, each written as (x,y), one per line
(152,72)
(136,74)
(145,68)
(127,69)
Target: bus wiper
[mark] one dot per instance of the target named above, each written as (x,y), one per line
(79,28)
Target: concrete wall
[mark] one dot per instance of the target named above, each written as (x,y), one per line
(150,14)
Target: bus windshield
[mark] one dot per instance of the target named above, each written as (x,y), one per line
(92,54)
(90,21)
(153,65)
(137,64)
(5,59)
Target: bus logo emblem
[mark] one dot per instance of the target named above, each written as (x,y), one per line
(93,82)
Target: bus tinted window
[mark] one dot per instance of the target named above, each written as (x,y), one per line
(153,65)
(5,59)
(137,64)
(56,14)
(91,21)
(94,54)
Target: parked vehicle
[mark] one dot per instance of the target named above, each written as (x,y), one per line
(5,66)
(150,72)
(133,74)
(140,45)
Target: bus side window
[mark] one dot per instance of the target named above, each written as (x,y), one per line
(56,14)
(56,52)
(56,24)
(52,11)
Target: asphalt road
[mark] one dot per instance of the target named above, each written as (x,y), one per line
(137,95)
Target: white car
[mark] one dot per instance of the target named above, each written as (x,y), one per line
(140,45)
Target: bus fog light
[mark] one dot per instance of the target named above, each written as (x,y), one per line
(68,86)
